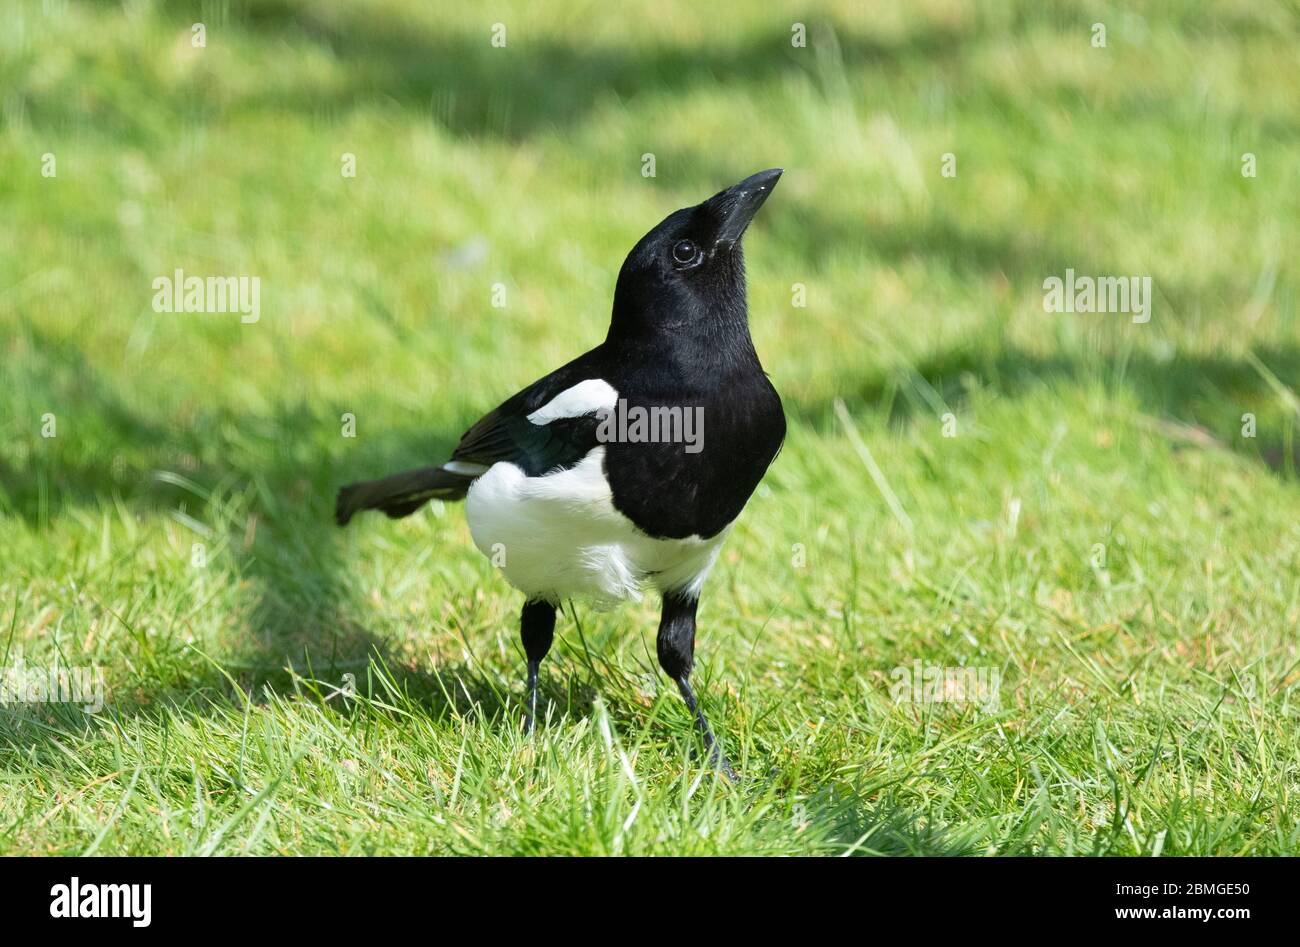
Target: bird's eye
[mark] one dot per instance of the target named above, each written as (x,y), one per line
(685,252)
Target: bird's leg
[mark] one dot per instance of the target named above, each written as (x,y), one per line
(676,646)
(537,629)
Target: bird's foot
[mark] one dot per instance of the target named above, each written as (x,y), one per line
(723,766)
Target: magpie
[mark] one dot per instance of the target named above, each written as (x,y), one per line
(568,504)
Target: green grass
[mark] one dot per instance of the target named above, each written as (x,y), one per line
(1098,530)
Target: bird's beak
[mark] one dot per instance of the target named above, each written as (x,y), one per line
(736,206)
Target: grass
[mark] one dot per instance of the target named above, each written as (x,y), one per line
(1098,530)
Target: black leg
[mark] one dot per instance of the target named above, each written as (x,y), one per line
(676,646)
(537,628)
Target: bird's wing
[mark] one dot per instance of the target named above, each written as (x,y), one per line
(549,425)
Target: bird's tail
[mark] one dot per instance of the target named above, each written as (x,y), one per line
(404,493)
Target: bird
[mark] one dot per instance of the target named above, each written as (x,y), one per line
(626,468)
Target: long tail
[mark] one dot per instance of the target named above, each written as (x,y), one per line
(404,493)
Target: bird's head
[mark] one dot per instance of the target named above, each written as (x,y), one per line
(689,270)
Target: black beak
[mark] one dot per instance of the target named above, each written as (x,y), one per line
(735,207)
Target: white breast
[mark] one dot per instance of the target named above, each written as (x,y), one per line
(559,536)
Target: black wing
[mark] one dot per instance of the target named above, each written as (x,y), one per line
(506,434)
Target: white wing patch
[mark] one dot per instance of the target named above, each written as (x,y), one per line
(583,398)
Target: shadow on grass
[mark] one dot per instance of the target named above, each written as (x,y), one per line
(267,501)
(534,83)
(1204,396)
(845,820)
(882,828)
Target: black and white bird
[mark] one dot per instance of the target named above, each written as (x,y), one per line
(572,498)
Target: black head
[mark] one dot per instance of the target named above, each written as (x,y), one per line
(689,270)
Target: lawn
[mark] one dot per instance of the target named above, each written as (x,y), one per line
(1098,514)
